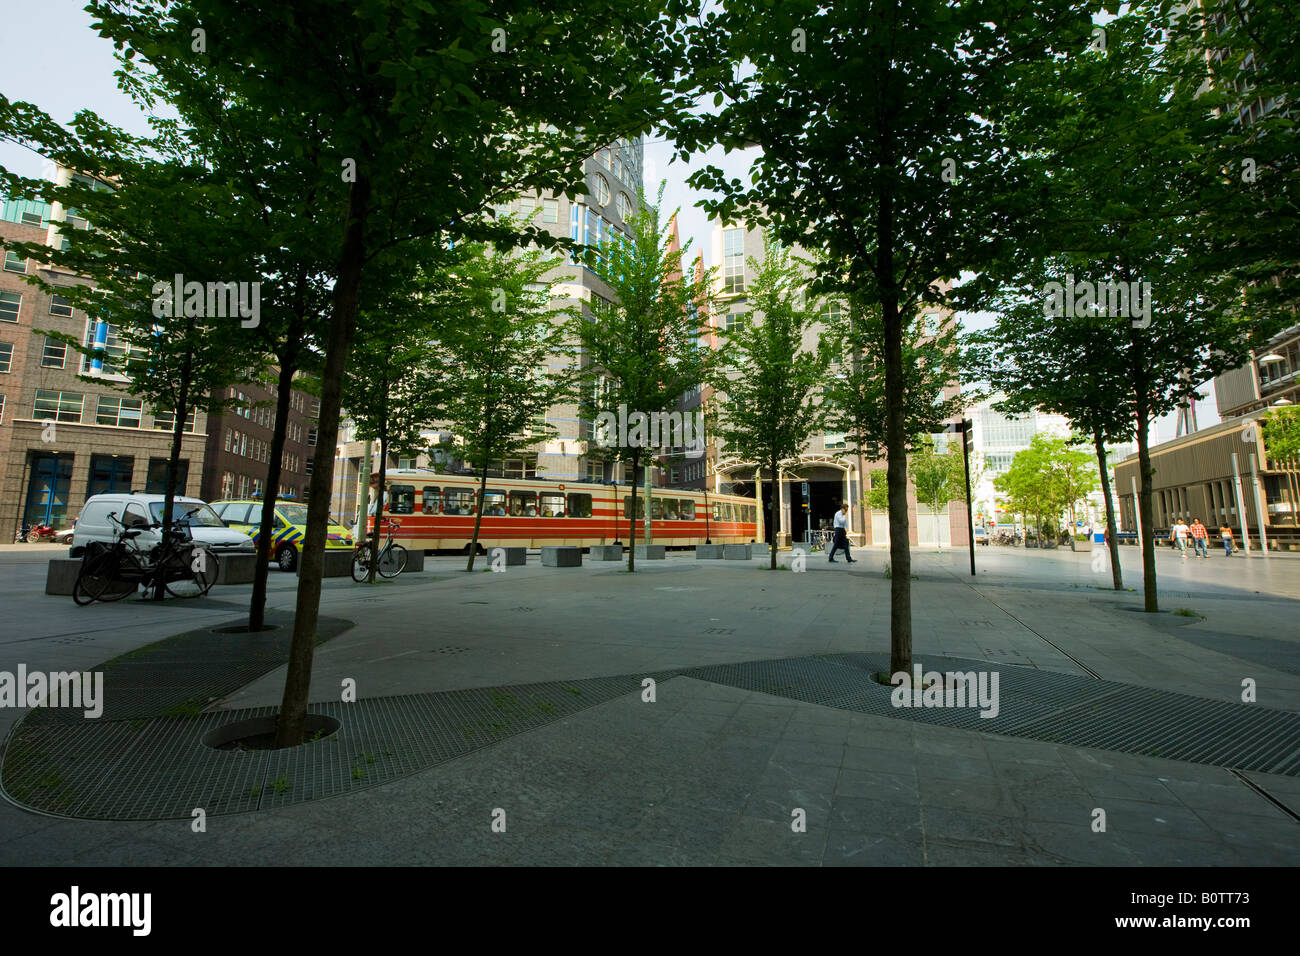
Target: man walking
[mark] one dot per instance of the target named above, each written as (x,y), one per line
(841,538)
(1200,538)
(1180,532)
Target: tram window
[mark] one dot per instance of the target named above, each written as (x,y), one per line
(627,507)
(401,500)
(749,514)
(728,512)
(429,500)
(523,504)
(717,511)
(579,506)
(688,510)
(458,501)
(494,504)
(656,509)
(670,509)
(552,505)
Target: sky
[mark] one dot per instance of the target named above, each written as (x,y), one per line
(84,80)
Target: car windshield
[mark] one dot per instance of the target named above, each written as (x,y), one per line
(294,514)
(200,515)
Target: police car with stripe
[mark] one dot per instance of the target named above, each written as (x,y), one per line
(245,514)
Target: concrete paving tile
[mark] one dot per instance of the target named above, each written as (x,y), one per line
(772,841)
(1165,821)
(900,761)
(855,848)
(899,788)
(952,827)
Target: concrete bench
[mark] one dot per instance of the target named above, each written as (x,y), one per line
(759,549)
(737,552)
(651,552)
(338,564)
(414,560)
(607,552)
(708,552)
(236,568)
(515,557)
(561,557)
(62,575)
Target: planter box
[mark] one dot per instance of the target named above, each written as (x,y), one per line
(561,557)
(515,557)
(606,552)
(62,575)
(737,552)
(236,568)
(338,564)
(1083,545)
(651,552)
(708,552)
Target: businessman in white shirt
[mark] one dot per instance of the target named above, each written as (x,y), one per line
(841,534)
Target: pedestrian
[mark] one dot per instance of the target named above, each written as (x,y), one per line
(1200,538)
(841,539)
(1180,532)
(1225,533)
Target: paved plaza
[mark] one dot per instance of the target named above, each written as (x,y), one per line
(765,717)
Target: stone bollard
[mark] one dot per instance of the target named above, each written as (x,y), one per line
(737,552)
(708,552)
(650,552)
(606,552)
(561,557)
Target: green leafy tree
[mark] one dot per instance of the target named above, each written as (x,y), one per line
(1128,246)
(938,476)
(882,128)
(768,378)
(645,350)
(1282,434)
(396,380)
(506,352)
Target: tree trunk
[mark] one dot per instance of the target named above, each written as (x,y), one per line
(297,683)
(771,548)
(900,555)
(1151,602)
(631,535)
(1116,573)
(478,516)
(275,468)
(174,462)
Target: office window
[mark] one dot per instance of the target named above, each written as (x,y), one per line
(11,303)
(601,191)
(113,352)
(242,486)
(227,484)
(109,473)
(624,206)
(595,471)
(60,306)
(121,412)
(31,219)
(550,210)
(60,406)
(835,440)
(165,421)
(527,205)
(229,435)
(6,356)
(306,467)
(55,353)
(15,263)
(733,260)
(311,437)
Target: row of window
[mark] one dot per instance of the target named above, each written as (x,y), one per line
(547,504)
(240,486)
(70,408)
(114,473)
(11,303)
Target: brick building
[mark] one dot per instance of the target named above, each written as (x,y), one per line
(239,444)
(68,427)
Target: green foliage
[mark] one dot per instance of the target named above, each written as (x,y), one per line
(1282,433)
(1046,480)
(939,477)
(877,496)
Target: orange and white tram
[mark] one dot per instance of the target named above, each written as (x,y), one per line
(437,511)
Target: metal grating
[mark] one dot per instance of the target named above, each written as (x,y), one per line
(1046,706)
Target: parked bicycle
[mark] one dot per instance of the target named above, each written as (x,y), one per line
(113,572)
(392,557)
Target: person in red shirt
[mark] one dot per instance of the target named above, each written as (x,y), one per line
(1200,538)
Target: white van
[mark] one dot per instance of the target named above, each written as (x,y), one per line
(140,511)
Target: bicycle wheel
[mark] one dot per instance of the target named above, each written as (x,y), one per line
(110,576)
(361,564)
(180,576)
(392,561)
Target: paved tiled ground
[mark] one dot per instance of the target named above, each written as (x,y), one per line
(709,774)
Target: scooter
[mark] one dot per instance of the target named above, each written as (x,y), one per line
(42,532)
